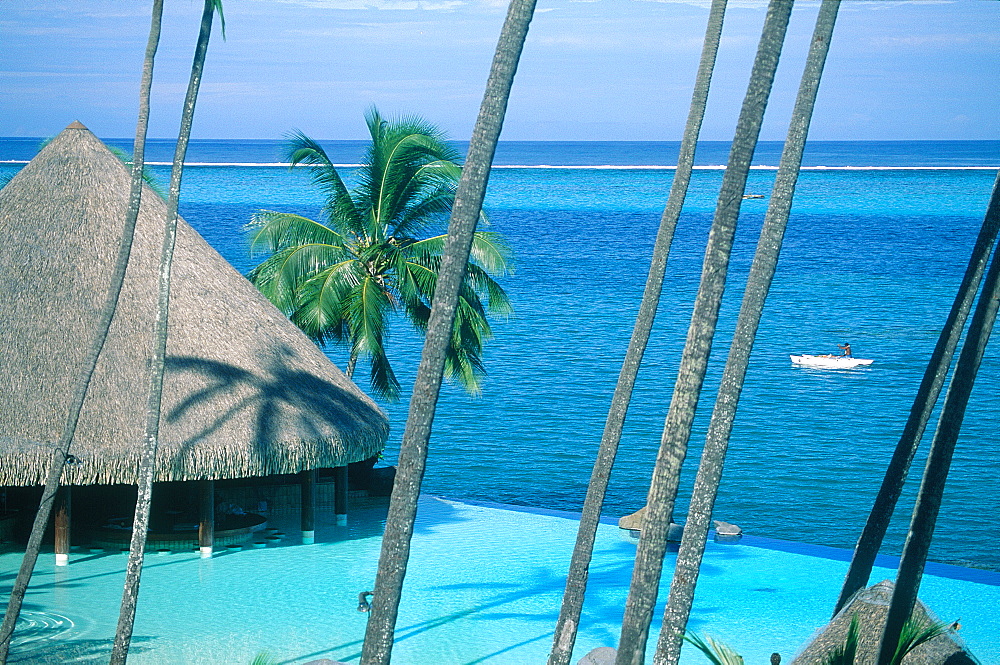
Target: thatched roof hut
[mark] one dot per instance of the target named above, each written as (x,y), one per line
(245,393)
(871,605)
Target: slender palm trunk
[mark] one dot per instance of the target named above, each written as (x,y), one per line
(576,581)
(762,270)
(923,404)
(928,504)
(461,229)
(694,360)
(61,453)
(133,571)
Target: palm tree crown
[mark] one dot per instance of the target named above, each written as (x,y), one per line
(379,251)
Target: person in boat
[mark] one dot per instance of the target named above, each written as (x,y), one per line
(846,347)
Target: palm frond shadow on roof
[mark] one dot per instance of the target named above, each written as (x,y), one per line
(245,394)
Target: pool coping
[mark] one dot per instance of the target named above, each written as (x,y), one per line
(946,570)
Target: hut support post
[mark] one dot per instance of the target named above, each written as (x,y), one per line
(63,509)
(308,486)
(206,518)
(340,495)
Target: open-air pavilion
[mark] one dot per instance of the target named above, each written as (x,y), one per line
(246,394)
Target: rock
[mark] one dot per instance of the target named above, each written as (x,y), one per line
(675,532)
(727,529)
(599,656)
(633,522)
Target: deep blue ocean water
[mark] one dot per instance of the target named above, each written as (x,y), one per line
(872,256)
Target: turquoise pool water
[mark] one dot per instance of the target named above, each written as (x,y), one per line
(484,586)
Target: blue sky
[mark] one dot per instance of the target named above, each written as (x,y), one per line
(594,70)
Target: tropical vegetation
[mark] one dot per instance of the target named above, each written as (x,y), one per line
(379,251)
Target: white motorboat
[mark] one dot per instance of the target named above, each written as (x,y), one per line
(829,361)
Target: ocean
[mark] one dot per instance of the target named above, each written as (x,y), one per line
(877,243)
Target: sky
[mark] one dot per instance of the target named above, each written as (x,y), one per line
(591,70)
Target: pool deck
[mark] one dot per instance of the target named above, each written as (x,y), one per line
(484,585)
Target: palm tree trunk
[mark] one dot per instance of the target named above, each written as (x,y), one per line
(923,404)
(461,229)
(576,581)
(61,453)
(706,485)
(694,360)
(133,571)
(928,504)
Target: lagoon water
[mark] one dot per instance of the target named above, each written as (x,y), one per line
(875,249)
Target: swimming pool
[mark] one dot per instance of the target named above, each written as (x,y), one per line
(483,586)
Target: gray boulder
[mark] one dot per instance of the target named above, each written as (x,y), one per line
(599,656)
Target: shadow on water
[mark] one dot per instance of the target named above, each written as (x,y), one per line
(41,637)
(542,588)
(39,577)
(43,650)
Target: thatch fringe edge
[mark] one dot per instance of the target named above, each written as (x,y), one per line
(30,467)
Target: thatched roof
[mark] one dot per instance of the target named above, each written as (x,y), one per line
(245,393)
(871,605)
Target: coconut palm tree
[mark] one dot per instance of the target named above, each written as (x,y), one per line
(140,524)
(576,579)
(923,404)
(341,280)
(762,270)
(61,453)
(928,504)
(694,359)
(461,233)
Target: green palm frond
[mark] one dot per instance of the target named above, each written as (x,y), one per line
(268,278)
(339,206)
(847,652)
(492,252)
(429,211)
(498,303)
(320,302)
(343,280)
(489,250)
(913,635)
(366,312)
(272,231)
(463,358)
(397,169)
(716,652)
(217,6)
